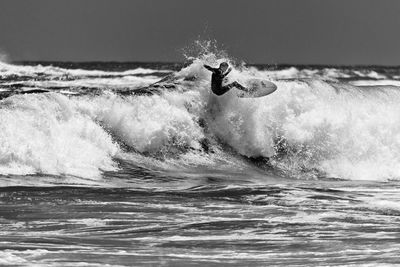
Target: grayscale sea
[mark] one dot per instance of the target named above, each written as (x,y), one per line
(137,164)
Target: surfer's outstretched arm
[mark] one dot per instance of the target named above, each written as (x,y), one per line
(209,68)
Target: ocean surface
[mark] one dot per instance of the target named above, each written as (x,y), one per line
(137,164)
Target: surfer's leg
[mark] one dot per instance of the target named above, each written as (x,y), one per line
(225,89)
(222,90)
(237,85)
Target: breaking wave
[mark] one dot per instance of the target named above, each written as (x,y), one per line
(311,127)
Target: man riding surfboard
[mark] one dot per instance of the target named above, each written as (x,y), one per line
(218,75)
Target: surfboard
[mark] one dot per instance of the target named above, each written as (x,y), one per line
(257,88)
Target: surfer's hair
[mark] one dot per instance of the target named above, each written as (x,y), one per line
(223,64)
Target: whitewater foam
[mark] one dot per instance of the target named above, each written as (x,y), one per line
(43,133)
(310,127)
(337,129)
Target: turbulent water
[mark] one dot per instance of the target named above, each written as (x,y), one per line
(137,164)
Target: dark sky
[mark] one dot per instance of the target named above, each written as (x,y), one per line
(256,31)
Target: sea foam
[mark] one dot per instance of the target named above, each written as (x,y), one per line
(44,133)
(309,128)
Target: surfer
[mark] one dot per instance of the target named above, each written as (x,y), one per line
(218,75)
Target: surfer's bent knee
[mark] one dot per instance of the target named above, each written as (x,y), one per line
(222,90)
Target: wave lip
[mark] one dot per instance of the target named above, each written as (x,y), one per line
(52,71)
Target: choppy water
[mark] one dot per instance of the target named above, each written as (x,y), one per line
(102,164)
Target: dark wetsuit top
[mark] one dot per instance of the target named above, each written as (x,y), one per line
(216,81)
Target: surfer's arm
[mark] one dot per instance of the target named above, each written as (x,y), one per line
(209,68)
(226,73)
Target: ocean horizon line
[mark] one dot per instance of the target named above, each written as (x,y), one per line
(188,62)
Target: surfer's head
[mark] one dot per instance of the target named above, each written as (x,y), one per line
(223,66)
